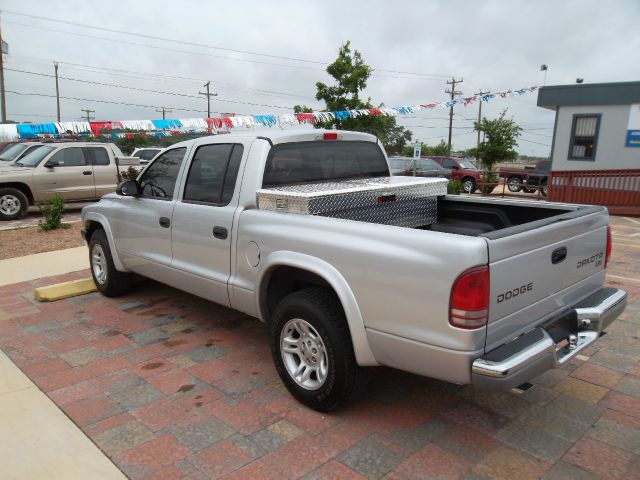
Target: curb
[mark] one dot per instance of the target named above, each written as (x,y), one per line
(58,291)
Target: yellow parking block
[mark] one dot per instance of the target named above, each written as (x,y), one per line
(59,291)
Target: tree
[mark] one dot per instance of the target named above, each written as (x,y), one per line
(440,150)
(351,74)
(501,136)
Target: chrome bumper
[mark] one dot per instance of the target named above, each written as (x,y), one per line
(534,352)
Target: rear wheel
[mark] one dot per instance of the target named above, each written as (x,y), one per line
(469,185)
(13,204)
(514,184)
(109,281)
(544,190)
(312,350)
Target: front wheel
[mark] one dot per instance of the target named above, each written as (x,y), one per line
(514,184)
(109,281)
(544,189)
(469,185)
(312,350)
(13,204)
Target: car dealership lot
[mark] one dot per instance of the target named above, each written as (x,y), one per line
(168,385)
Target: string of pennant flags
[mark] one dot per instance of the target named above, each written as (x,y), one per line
(213,125)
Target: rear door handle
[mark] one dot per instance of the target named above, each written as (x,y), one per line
(220,232)
(164,222)
(87,172)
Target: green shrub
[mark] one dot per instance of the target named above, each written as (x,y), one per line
(454,187)
(130,173)
(52,211)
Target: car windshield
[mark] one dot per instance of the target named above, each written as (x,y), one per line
(32,158)
(466,164)
(428,164)
(400,163)
(12,152)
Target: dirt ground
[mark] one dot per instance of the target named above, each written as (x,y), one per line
(29,240)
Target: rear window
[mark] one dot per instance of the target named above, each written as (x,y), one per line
(321,161)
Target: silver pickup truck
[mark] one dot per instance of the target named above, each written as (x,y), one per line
(468,290)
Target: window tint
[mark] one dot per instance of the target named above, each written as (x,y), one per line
(97,155)
(69,157)
(159,180)
(213,172)
(584,137)
(310,162)
(448,163)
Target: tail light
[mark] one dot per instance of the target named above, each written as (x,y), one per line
(330,136)
(608,254)
(469,303)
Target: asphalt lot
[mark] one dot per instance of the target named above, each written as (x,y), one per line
(171,386)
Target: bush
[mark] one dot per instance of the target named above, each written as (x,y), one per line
(130,173)
(454,187)
(52,211)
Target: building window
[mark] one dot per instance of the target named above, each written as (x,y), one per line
(584,137)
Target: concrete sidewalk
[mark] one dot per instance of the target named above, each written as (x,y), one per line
(37,440)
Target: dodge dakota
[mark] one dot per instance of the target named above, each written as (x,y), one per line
(352,268)
(76,170)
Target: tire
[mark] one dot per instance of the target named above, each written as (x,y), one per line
(514,184)
(528,190)
(327,355)
(544,190)
(109,281)
(13,204)
(468,185)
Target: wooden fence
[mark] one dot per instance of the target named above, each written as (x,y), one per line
(618,190)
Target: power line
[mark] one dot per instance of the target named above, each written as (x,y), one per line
(537,143)
(194,44)
(164,112)
(208,95)
(185,95)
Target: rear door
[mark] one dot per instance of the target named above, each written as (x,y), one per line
(104,170)
(538,271)
(203,220)
(72,175)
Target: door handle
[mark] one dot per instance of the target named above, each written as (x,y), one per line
(87,172)
(220,232)
(164,222)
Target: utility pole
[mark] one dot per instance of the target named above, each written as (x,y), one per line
(453,92)
(88,113)
(55,66)
(208,95)
(2,94)
(163,110)
(479,94)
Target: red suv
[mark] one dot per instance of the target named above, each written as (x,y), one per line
(463,170)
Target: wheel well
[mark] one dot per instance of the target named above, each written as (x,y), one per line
(91,226)
(282,281)
(468,178)
(514,176)
(22,187)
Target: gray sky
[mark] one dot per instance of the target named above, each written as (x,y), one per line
(493,45)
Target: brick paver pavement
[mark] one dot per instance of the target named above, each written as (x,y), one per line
(171,386)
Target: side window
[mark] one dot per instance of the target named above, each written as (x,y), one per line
(70,157)
(97,155)
(147,154)
(448,163)
(159,180)
(212,175)
(584,137)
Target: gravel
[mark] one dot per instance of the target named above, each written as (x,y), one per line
(30,240)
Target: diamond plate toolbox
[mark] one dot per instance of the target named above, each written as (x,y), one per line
(400,201)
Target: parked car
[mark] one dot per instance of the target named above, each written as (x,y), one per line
(488,292)
(463,170)
(417,167)
(528,178)
(76,170)
(146,154)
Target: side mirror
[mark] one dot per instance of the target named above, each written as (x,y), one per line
(51,164)
(128,188)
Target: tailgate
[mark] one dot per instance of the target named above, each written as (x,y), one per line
(541,268)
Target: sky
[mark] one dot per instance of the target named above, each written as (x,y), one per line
(264,57)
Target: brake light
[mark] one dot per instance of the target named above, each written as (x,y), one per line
(608,254)
(330,136)
(469,303)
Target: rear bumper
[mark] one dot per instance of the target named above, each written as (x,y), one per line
(533,353)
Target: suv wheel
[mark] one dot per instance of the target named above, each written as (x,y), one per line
(544,189)
(312,350)
(109,281)
(13,204)
(469,185)
(514,184)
